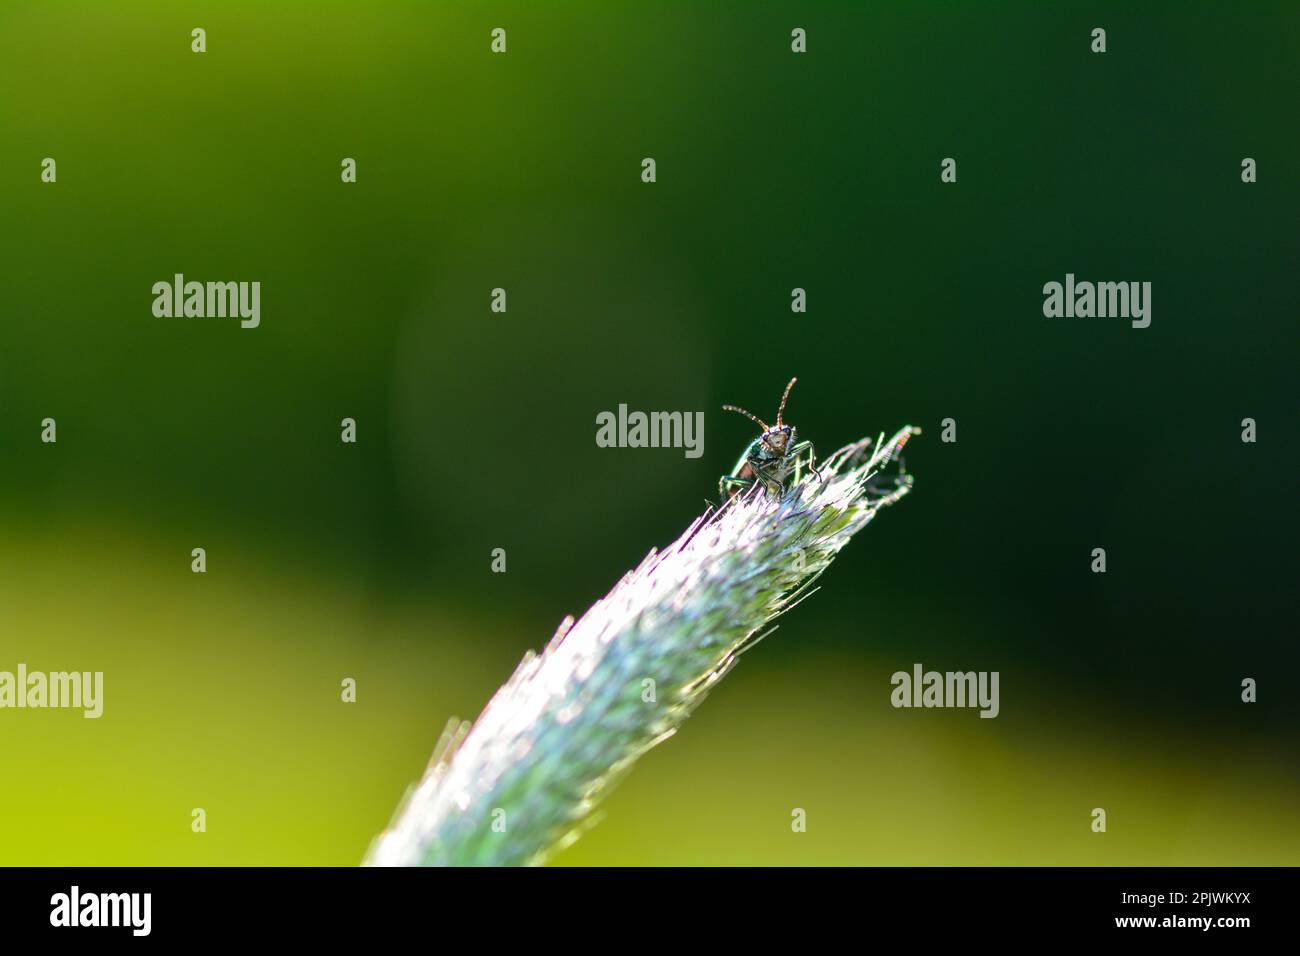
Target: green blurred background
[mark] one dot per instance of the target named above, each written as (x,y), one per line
(476,430)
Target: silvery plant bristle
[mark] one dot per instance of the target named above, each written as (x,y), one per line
(522,782)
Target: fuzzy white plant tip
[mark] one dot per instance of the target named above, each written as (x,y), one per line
(522,782)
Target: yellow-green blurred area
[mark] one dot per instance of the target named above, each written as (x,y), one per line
(475,430)
(222,692)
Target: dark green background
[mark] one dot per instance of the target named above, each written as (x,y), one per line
(476,430)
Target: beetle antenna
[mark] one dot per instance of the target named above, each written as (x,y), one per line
(781,411)
(750,415)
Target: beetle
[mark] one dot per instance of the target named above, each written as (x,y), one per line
(771,457)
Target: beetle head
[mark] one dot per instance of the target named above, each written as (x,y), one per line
(776,438)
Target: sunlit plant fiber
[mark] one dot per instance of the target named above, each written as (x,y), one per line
(553,741)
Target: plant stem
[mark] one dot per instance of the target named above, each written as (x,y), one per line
(553,741)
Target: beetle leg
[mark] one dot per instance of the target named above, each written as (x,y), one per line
(799,449)
(769,480)
(812,462)
(733,481)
